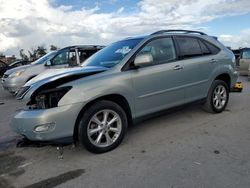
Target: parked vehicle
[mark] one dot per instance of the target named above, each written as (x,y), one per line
(127,80)
(18,63)
(70,56)
(3,68)
(244,61)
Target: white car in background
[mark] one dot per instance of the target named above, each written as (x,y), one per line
(14,79)
(244,62)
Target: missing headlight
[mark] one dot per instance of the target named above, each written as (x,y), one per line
(49,98)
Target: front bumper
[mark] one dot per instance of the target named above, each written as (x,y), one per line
(63,118)
(12,84)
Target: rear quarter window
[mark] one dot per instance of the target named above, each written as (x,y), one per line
(205,50)
(212,48)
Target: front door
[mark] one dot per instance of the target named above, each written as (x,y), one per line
(66,57)
(158,85)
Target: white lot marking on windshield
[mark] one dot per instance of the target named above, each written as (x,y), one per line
(123,50)
(108,62)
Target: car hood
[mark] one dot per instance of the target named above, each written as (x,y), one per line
(23,67)
(55,77)
(52,74)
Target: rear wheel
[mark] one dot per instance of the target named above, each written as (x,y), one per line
(217,98)
(102,127)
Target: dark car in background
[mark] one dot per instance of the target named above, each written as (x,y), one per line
(19,63)
(4,66)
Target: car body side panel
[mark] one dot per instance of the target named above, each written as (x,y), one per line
(196,75)
(90,88)
(157,87)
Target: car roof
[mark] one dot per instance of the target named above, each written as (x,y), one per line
(171,32)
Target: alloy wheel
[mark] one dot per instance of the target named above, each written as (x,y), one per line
(104,128)
(219,97)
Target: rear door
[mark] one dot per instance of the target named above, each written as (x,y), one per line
(85,53)
(159,85)
(198,64)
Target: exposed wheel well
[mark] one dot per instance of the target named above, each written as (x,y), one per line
(118,99)
(226,78)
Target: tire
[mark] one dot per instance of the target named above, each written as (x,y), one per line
(98,135)
(211,105)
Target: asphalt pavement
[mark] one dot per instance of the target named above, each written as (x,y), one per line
(181,149)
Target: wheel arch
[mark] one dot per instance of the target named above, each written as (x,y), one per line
(30,78)
(226,78)
(116,98)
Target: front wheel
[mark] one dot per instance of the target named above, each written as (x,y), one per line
(217,98)
(102,127)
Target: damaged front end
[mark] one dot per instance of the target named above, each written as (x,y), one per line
(46,93)
(46,119)
(48,98)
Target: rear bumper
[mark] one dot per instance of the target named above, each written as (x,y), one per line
(62,118)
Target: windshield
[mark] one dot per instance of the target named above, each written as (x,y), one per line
(44,58)
(113,54)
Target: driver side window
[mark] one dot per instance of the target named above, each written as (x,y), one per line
(162,50)
(65,57)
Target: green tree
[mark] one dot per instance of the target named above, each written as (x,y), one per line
(23,55)
(53,47)
(41,51)
(32,54)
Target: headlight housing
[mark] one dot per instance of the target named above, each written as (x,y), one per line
(17,73)
(50,98)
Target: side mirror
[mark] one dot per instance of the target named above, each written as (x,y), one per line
(143,60)
(48,63)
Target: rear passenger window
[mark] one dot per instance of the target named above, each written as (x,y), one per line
(189,47)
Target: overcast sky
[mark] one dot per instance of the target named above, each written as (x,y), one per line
(29,23)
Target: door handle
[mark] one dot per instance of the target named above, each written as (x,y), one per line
(178,67)
(213,61)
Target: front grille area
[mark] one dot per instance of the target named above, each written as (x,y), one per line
(21,92)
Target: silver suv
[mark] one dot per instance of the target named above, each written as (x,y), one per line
(129,79)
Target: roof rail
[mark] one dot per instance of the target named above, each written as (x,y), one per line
(177,30)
